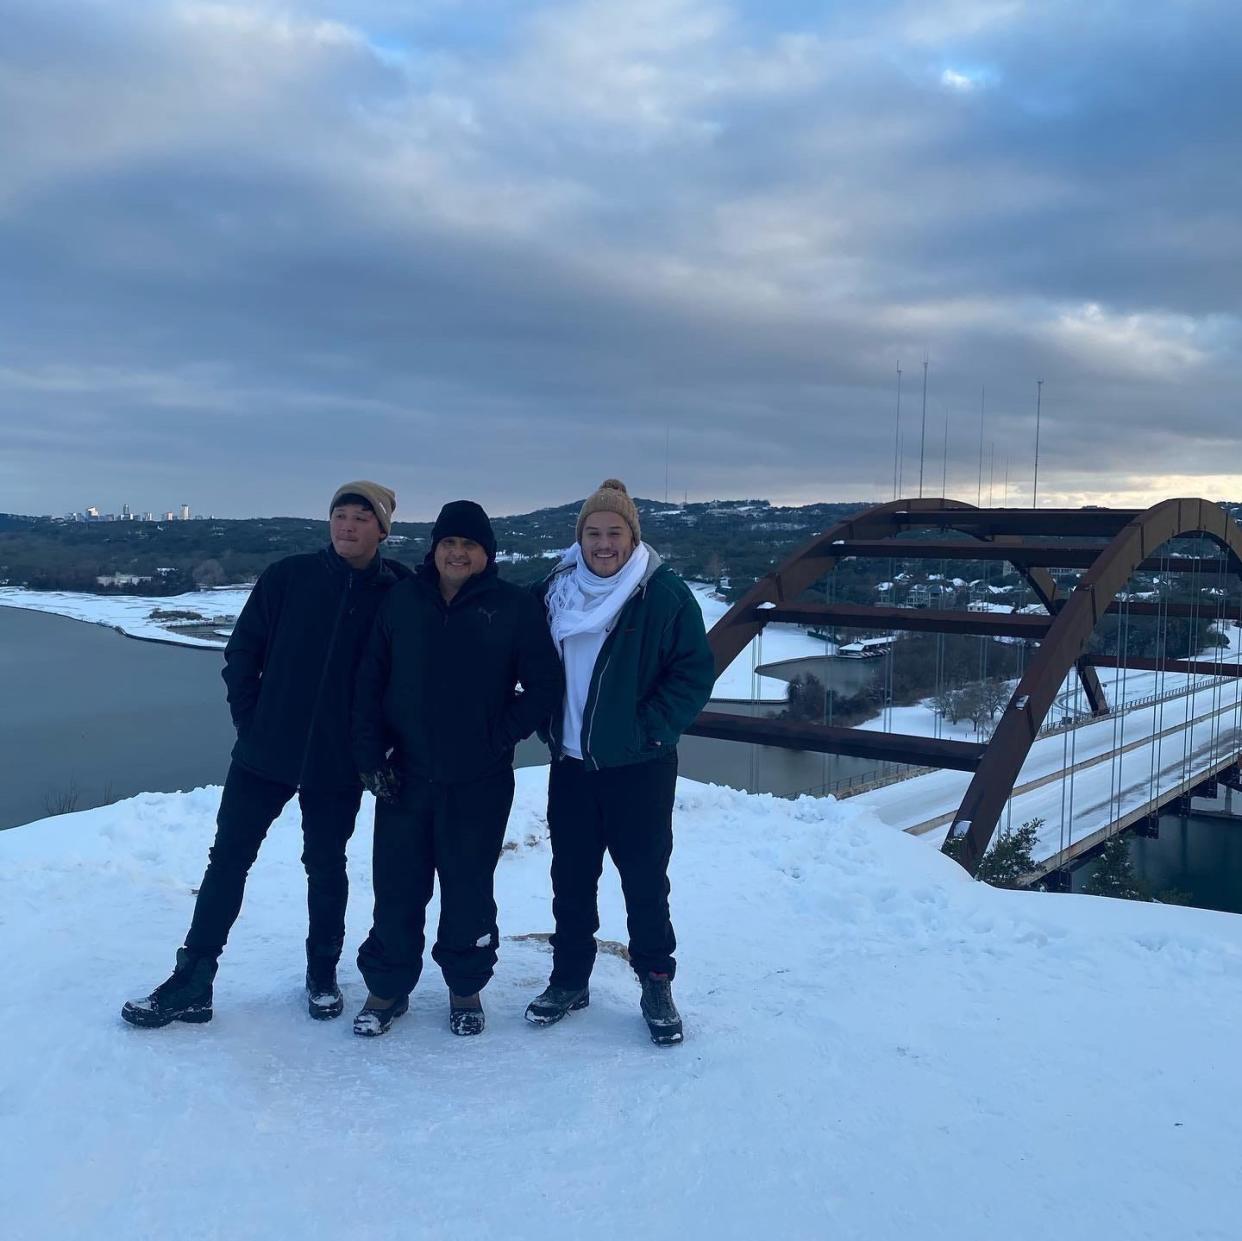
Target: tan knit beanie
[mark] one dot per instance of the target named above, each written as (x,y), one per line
(610,498)
(381,500)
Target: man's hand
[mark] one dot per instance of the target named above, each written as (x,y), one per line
(382,784)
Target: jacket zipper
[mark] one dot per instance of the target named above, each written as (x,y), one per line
(586,748)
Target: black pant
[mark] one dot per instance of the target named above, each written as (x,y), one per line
(628,812)
(248,807)
(454,831)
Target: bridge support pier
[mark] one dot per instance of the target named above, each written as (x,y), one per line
(1231,778)
(1057,881)
(1148,827)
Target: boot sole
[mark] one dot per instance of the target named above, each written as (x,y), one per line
(383,1029)
(553,1018)
(326,1014)
(666,1037)
(146,1020)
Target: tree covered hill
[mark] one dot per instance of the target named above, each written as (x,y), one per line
(734,539)
(731,542)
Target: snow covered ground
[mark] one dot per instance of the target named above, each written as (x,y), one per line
(775,643)
(877,1049)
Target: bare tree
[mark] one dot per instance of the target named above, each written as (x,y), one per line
(62,801)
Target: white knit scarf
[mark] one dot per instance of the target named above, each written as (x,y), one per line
(579,601)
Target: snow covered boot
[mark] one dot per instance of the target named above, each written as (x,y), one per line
(552,1003)
(466,1014)
(372,1021)
(184,996)
(323,996)
(659,1011)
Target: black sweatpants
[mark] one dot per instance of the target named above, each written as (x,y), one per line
(627,812)
(454,831)
(249,805)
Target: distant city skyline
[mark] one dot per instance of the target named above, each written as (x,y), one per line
(505,251)
(93,512)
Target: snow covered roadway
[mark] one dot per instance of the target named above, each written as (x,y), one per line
(1118,767)
(877,1048)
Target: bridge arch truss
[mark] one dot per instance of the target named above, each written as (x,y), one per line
(1107,546)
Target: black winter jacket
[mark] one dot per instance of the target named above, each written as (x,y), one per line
(438,682)
(290,664)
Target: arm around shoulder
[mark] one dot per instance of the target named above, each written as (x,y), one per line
(540,672)
(368,738)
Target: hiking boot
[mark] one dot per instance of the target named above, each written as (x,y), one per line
(323,997)
(375,1017)
(659,1011)
(466,1014)
(184,996)
(552,1003)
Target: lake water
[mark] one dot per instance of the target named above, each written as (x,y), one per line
(89,716)
(86,712)
(1199,855)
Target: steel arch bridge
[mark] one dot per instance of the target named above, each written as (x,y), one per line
(1107,545)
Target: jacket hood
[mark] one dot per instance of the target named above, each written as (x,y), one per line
(379,569)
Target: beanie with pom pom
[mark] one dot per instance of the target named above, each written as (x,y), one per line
(611,498)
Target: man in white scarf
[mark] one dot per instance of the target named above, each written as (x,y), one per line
(637,672)
(582,610)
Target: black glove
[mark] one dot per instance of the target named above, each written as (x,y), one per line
(382,784)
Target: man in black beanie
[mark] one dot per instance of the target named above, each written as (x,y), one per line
(437,714)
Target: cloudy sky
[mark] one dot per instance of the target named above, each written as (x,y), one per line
(503,249)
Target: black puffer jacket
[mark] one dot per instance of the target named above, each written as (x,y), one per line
(438,682)
(290,664)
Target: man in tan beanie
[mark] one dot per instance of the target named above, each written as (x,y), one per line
(638,670)
(289,669)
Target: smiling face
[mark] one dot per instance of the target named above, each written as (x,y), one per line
(356,534)
(607,543)
(457,560)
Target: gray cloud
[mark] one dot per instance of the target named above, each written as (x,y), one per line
(249,250)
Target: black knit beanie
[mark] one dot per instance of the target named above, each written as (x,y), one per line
(466,520)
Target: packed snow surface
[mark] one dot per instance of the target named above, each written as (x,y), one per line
(877,1048)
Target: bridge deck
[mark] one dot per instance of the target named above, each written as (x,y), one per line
(1106,789)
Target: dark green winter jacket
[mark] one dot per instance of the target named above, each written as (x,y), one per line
(652,677)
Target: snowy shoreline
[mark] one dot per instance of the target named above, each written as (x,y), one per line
(131,615)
